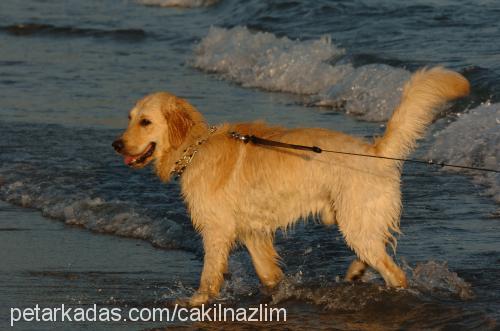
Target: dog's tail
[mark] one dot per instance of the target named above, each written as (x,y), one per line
(427,90)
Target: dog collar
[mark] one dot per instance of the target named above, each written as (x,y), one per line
(188,155)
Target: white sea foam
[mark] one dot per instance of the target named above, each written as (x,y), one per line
(179,3)
(473,140)
(426,278)
(96,214)
(370,92)
(263,60)
(435,277)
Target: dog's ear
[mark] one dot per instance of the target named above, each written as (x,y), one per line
(179,122)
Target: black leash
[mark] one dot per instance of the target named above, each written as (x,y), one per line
(266,142)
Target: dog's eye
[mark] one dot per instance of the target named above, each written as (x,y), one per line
(129,117)
(145,122)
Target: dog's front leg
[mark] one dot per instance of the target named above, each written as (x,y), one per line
(217,247)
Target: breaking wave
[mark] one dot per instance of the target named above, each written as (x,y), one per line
(178,3)
(314,67)
(370,92)
(98,215)
(473,139)
(265,61)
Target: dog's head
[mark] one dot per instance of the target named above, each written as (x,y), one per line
(159,122)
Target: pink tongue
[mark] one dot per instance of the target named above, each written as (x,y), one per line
(128,159)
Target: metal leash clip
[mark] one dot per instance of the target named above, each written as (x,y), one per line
(239,136)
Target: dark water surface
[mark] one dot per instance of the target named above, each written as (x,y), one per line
(70,71)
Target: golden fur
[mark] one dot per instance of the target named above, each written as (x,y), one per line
(242,193)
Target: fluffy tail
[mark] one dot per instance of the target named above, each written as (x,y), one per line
(427,90)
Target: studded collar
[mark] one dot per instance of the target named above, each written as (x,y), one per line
(188,154)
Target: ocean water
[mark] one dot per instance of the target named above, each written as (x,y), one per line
(70,70)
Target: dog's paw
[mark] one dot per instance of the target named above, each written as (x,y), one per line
(268,290)
(195,300)
(198,299)
(182,302)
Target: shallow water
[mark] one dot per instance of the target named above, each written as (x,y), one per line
(70,70)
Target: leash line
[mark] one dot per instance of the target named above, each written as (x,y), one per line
(266,142)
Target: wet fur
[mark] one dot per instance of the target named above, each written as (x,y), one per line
(242,193)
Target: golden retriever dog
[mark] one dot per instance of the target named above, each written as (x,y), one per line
(243,193)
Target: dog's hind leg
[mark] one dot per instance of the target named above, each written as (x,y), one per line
(356,270)
(357,267)
(372,251)
(366,229)
(392,274)
(375,255)
(264,258)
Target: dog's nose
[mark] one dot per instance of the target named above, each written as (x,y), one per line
(117,145)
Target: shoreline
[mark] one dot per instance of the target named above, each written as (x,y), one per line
(48,263)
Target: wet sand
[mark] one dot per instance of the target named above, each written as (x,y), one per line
(48,263)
